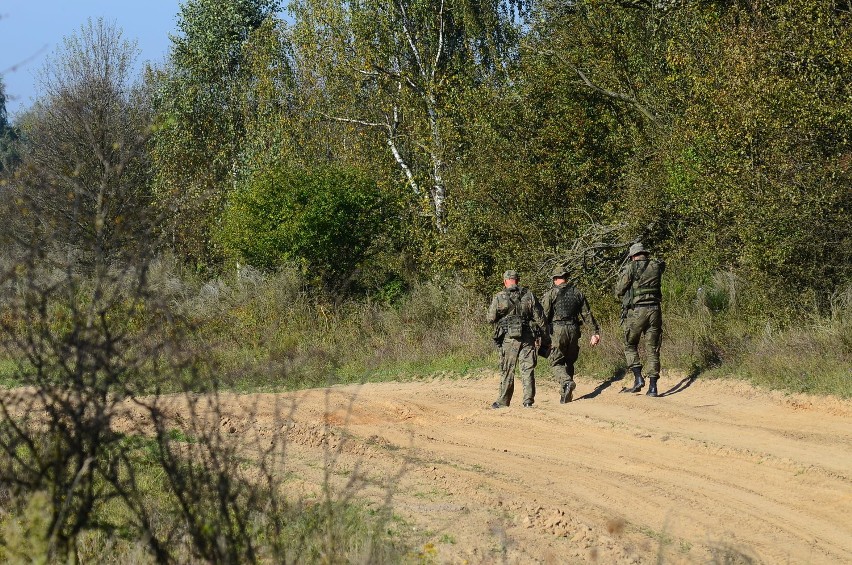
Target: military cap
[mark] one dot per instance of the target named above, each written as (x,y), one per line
(636,249)
(511,274)
(560,272)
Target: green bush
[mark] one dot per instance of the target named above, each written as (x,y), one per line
(324,219)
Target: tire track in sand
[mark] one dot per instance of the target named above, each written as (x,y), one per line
(617,478)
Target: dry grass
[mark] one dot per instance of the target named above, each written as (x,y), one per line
(271,332)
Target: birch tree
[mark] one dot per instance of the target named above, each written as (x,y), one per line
(394,67)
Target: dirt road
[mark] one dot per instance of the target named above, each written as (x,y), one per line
(713,471)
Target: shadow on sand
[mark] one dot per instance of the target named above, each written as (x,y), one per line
(683,384)
(619,375)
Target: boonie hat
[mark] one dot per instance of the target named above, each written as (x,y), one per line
(560,272)
(636,249)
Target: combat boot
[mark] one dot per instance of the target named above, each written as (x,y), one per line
(567,392)
(652,386)
(638,381)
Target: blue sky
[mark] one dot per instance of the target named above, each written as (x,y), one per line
(32,29)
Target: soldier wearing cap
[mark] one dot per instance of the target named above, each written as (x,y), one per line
(518,324)
(565,310)
(638,287)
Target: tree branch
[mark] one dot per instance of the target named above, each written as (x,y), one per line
(410,40)
(356,122)
(618,95)
(440,42)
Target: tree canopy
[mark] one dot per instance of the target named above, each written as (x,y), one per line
(501,132)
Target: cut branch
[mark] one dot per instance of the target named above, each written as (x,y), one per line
(599,249)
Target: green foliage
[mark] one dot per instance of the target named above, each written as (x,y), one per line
(212,34)
(515,126)
(540,166)
(324,219)
(200,122)
(756,167)
(721,134)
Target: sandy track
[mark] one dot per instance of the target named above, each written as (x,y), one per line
(713,470)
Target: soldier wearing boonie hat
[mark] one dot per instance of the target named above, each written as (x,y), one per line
(639,288)
(565,310)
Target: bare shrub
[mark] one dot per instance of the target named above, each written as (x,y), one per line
(81,438)
(97,332)
(81,347)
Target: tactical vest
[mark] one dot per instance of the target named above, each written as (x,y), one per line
(516,317)
(647,275)
(566,304)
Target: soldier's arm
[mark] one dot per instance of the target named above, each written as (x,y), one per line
(624,281)
(547,306)
(492,311)
(538,314)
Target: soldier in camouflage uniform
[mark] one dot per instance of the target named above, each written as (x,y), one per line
(638,287)
(518,324)
(565,309)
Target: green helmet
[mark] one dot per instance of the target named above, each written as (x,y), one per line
(636,249)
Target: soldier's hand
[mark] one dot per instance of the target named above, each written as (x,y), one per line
(537,342)
(595,339)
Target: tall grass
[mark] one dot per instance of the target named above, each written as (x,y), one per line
(813,355)
(273,332)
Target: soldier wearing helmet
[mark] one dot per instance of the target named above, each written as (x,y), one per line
(565,310)
(518,324)
(638,287)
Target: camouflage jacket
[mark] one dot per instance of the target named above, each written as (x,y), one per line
(518,302)
(639,282)
(564,303)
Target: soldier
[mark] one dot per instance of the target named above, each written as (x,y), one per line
(565,310)
(518,325)
(638,286)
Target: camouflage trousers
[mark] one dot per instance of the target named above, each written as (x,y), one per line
(565,340)
(515,352)
(648,321)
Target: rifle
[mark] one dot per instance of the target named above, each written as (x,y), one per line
(626,304)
